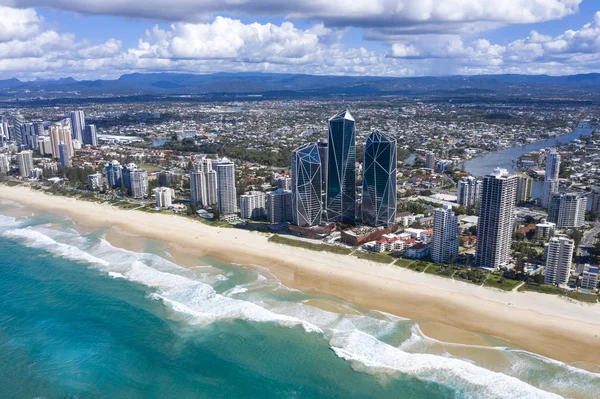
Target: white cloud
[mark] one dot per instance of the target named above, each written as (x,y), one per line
(16,24)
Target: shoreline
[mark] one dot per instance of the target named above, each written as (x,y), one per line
(547,325)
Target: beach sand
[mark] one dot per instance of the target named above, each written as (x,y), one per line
(448,310)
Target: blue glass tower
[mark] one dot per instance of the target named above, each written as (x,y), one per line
(341,169)
(307,204)
(379,180)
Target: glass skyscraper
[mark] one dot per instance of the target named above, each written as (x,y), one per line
(341,169)
(379,180)
(307,205)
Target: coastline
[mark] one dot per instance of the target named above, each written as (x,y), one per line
(543,324)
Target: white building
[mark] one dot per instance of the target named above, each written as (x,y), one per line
(138,183)
(558,261)
(551,176)
(544,230)
(589,277)
(4,163)
(60,133)
(164,197)
(44,145)
(469,191)
(496,218)
(95,182)
(279,206)
(252,205)
(285,183)
(226,190)
(25,163)
(567,210)
(444,247)
(203,183)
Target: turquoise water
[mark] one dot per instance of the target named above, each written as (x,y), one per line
(82,318)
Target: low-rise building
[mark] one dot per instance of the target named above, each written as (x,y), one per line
(589,277)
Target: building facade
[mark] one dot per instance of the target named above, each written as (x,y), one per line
(279,206)
(444,246)
(379,200)
(95,182)
(226,190)
(307,205)
(341,169)
(524,186)
(551,183)
(63,153)
(77,125)
(567,210)
(253,205)
(164,197)
(114,174)
(60,133)
(469,191)
(559,256)
(90,137)
(495,228)
(25,163)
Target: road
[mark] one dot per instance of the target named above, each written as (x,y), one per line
(590,236)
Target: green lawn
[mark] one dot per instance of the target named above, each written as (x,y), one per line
(149,168)
(308,245)
(552,290)
(439,270)
(374,257)
(504,284)
(404,262)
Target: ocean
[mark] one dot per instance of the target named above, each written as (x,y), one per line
(82,318)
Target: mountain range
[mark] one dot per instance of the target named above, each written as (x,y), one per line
(299,85)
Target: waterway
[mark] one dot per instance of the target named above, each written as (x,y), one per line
(486,163)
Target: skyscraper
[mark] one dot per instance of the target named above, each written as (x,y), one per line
(203,183)
(523,189)
(559,256)
(444,247)
(60,133)
(89,135)
(551,178)
(307,205)
(164,197)
(469,191)
(4,164)
(226,190)
(44,145)
(494,231)
(379,180)
(341,169)
(25,163)
(322,144)
(17,129)
(252,205)
(138,183)
(430,160)
(114,174)
(279,206)
(65,159)
(77,125)
(595,198)
(567,210)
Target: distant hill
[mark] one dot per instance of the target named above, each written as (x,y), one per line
(300,85)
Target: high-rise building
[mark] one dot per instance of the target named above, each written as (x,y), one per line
(95,182)
(279,206)
(17,129)
(589,277)
(60,133)
(551,177)
(90,137)
(523,189)
(25,163)
(469,191)
(77,125)
(164,197)
(28,136)
(341,169)
(4,129)
(44,145)
(567,210)
(495,227)
(379,180)
(114,174)
(226,190)
(444,246)
(322,144)
(252,205)
(203,183)
(138,183)
(167,178)
(4,164)
(307,205)
(285,183)
(595,198)
(559,255)
(65,159)
(430,160)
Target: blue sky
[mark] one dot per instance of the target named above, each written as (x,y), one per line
(91,39)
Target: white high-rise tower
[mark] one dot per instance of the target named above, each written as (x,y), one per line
(226,190)
(551,177)
(444,247)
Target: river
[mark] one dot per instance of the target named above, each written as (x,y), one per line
(486,163)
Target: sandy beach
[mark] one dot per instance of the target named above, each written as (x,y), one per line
(548,325)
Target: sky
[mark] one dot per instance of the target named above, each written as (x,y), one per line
(104,39)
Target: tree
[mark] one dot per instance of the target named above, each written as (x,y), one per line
(576,235)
